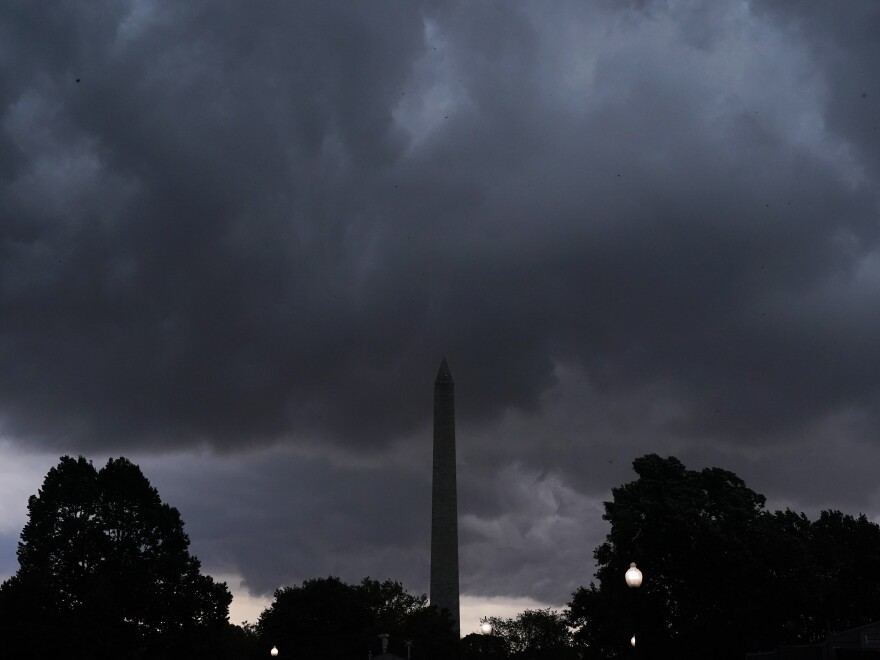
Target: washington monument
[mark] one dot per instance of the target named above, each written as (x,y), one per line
(444,501)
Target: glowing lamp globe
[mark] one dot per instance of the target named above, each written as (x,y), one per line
(486,628)
(274,651)
(633,576)
(632,642)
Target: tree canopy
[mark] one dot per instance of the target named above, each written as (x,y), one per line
(722,574)
(530,635)
(105,571)
(331,619)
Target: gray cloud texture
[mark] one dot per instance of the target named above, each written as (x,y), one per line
(643,226)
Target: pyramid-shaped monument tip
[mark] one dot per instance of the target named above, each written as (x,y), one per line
(444,375)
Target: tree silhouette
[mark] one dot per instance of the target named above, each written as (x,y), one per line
(477,646)
(328,618)
(105,571)
(846,550)
(722,575)
(530,635)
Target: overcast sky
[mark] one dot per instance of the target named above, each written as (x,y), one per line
(237,239)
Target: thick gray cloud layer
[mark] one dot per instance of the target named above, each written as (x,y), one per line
(630,227)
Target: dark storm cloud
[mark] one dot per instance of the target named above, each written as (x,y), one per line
(279,519)
(846,49)
(182,228)
(631,227)
(251,224)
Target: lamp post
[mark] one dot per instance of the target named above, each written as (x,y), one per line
(633,581)
(485,627)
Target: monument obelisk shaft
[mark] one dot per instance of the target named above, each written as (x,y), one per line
(444,500)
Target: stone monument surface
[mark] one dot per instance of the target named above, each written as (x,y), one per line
(444,500)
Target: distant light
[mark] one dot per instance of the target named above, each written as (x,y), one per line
(274,651)
(634,576)
(486,627)
(632,642)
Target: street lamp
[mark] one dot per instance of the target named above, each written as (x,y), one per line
(274,651)
(486,627)
(634,581)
